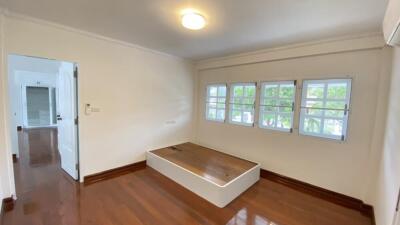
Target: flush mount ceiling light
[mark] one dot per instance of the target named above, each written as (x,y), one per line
(193,20)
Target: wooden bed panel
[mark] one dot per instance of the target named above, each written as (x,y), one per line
(213,165)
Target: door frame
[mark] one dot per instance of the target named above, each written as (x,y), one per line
(10,130)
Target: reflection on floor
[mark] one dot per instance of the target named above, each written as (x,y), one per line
(47,196)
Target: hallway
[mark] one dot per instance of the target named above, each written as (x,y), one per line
(45,192)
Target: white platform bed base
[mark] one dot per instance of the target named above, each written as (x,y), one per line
(212,192)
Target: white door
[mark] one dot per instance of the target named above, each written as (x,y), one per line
(67,113)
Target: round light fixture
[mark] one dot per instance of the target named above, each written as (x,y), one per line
(193,21)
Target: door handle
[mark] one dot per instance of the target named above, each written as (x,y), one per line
(59,118)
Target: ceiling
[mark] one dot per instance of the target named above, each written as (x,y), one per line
(233,25)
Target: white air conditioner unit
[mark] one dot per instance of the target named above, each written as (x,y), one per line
(391,23)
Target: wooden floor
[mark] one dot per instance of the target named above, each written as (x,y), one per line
(46,196)
(215,166)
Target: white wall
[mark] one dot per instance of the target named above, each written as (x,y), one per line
(145,97)
(6,172)
(1,195)
(388,181)
(333,165)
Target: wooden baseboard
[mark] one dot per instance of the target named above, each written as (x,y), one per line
(14,157)
(113,172)
(331,196)
(8,205)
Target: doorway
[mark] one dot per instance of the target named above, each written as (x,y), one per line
(43,102)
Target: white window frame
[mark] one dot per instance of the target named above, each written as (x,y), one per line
(277,98)
(207,102)
(346,110)
(231,97)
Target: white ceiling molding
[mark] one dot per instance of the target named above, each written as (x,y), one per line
(329,46)
(7,13)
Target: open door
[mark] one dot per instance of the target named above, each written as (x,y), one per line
(67,119)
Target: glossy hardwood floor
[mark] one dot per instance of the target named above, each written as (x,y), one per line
(216,166)
(47,196)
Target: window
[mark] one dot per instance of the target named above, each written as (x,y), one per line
(215,102)
(325,108)
(277,105)
(242,102)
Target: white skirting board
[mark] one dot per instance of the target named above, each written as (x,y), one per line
(212,192)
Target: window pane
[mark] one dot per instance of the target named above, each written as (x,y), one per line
(314,104)
(237,91)
(221,100)
(312,125)
(212,105)
(315,90)
(271,90)
(335,105)
(333,127)
(269,108)
(248,107)
(222,91)
(277,98)
(212,114)
(285,109)
(337,91)
(248,117)
(284,121)
(241,105)
(286,91)
(221,114)
(270,102)
(268,119)
(221,105)
(216,102)
(334,113)
(213,91)
(285,103)
(236,116)
(212,99)
(249,101)
(329,111)
(236,101)
(250,91)
(236,107)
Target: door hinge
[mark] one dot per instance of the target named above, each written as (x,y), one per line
(77,166)
(76,73)
(76,121)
